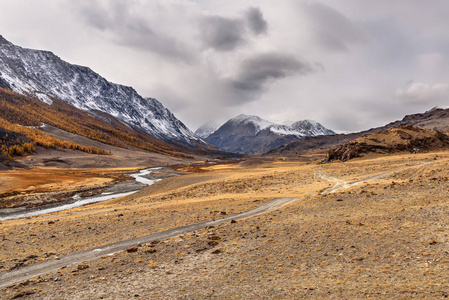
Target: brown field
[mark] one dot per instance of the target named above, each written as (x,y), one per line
(385,238)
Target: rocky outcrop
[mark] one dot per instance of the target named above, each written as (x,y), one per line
(399,139)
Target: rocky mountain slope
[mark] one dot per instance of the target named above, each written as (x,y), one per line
(25,115)
(254,135)
(398,139)
(436,119)
(207,129)
(311,128)
(40,74)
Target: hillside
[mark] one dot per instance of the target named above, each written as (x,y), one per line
(398,139)
(102,127)
(44,76)
(437,119)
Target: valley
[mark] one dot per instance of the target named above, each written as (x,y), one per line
(106,194)
(348,242)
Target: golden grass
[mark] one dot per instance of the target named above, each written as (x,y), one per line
(383,238)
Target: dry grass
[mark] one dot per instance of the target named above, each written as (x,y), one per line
(383,239)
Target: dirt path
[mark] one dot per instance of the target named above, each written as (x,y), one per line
(48,266)
(341,184)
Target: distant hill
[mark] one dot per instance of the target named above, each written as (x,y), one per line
(253,135)
(398,139)
(436,119)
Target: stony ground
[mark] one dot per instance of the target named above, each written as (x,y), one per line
(387,238)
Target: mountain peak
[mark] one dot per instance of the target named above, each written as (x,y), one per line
(249,134)
(2,39)
(31,72)
(207,129)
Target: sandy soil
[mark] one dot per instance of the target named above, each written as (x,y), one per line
(386,238)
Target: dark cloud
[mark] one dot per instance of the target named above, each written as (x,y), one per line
(222,34)
(255,20)
(333,30)
(227,34)
(124,26)
(255,72)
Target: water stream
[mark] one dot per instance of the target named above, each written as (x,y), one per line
(139,177)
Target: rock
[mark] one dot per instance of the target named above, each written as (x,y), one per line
(132,249)
(233,221)
(432,242)
(212,243)
(214,237)
(218,251)
(23,294)
(82,267)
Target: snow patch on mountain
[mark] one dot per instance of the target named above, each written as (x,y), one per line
(207,129)
(38,73)
(259,123)
(300,129)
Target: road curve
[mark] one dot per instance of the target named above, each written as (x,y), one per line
(27,272)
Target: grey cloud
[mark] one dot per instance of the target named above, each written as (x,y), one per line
(422,93)
(120,22)
(256,72)
(222,34)
(255,20)
(333,30)
(227,34)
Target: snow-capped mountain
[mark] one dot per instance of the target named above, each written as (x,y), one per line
(40,73)
(311,128)
(207,129)
(254,135)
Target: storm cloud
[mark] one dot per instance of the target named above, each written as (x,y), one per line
(216,59)
(222,34)
(227,34)
(125,24)
(256,72)
(255,20)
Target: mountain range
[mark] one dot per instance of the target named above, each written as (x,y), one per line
(42,75)
(253,135)
(436,119)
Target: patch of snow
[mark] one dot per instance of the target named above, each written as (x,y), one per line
(44,98)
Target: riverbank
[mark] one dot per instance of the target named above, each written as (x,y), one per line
(122,185)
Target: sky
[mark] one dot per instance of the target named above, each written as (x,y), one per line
(349,64)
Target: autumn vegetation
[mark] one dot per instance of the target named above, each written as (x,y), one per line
(19,109)
(38,138)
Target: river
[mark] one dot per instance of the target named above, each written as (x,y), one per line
(77,202)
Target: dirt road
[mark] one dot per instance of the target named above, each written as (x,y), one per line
(48,266)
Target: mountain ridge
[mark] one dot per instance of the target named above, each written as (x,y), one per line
(38,73)
(248,134)
(436,119)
